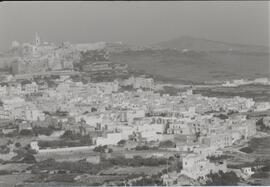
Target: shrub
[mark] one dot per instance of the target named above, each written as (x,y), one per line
(121,143)
(167,143)
(75,167)
(222,116)
(86,140)
(26,132)
(261,126)
(246,150)
(266,168)
(67,134)
(222,179)
(29,158)
(58,143)
(144,147)
(260,174)
(4,149)
(5,172)
(138,161)
(153,180)
(18,144)
(100,149)
(43,130)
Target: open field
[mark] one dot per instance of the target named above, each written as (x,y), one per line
(11,180)
(260,150)
(257,92)
(134,170)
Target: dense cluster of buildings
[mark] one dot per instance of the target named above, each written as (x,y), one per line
(124,109)
(41,57)
(199,126)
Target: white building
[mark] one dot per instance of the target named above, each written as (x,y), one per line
(108,87)
(207,151)
(196,165)
(150,131)
(218,140)
(125,130)
(3,91)
(15,89)
(30,88)
(90,119)
(34,115)
(10,103)
(247,171)
(261,106)
(142,82)
(34,145)
(134,113)
(109,139)
(4,114)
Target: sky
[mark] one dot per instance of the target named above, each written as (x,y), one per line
(132,22)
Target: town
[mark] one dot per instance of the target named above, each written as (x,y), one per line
(69,115)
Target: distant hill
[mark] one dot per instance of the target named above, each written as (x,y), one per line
(198,44)
(203,60)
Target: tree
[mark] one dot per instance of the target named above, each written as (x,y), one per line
(261,126)
(197,134)
(110,150)
(82,129)
(167,126)
(222,179)
(43,130)
(26,132)
(258,162)
(9,142)
(246,150)
(86,140)
(143,147)
(153,180)
(29,158)
(222,116)
(93,109)
(18,144)
(4,149)
(100,149)
(167,143)
(171,158)
(67,134)
(260,174)
(121,143)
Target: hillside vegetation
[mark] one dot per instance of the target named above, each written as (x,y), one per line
(202,60)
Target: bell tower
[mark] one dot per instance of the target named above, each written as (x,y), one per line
(37,40)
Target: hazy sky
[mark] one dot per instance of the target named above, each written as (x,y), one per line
(134,22)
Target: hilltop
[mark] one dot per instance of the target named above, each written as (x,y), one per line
(199,44)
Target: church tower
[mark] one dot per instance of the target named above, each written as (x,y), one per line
(37,40)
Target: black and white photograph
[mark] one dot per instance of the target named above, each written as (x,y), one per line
(134,93)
